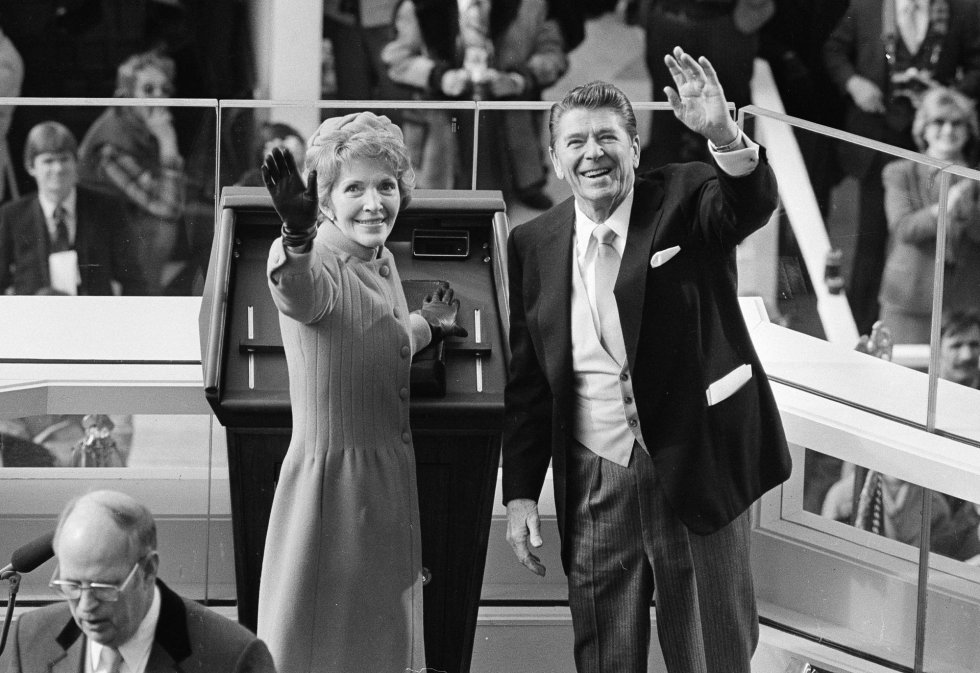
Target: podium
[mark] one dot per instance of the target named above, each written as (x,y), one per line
(456,406)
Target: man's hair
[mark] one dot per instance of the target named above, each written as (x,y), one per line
(957,321)
(593,96)
(128,69)
(132,517)
(49,137)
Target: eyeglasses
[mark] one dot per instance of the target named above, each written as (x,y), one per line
(106,593)
(942,121)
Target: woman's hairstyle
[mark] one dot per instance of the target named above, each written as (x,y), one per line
(939,101)
(363,135)
(593,96)
(133,518)
(128,69)
(49,137)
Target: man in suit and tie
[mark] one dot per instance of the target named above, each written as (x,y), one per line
(64,239)
(647,398)
(119,617)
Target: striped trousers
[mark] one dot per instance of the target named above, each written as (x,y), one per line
(625,543)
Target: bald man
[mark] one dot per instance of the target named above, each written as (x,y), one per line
(118,609)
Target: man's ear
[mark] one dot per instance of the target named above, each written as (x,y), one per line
(635,146)
(29,167)
(151,566)
(555,163)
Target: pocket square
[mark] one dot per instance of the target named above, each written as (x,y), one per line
(728,384)
(662,256)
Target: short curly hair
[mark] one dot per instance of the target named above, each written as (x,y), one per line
(128,69)
(342,146)
(938,101)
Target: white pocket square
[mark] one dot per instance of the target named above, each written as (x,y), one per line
(728,384)
(663,256)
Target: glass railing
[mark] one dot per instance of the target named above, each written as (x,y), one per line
(849,413)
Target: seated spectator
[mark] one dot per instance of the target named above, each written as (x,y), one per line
(273,134)
(500,50)
(118,615)
(65,238)
(428,133)
(132,152)
(11,78)
(945,128)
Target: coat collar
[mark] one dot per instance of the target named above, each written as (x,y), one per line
(171,641)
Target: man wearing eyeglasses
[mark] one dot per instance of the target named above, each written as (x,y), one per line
(119,617)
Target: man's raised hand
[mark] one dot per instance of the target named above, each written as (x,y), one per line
(699,101)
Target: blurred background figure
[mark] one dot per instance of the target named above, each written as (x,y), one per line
(65,238)
(499,50)
(273,134)
(428,134)
(925,44)
(945,128)
(358,30)
(11,77)
(724,32)
(132,152)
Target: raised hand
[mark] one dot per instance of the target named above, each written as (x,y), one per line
(294,199)
(699,101)
(439,310)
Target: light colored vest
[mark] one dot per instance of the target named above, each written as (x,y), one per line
(604,421)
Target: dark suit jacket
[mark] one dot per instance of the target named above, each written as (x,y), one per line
(683,330)
(189,637)
(855,47)
(103,242)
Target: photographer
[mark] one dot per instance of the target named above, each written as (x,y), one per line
(925,43)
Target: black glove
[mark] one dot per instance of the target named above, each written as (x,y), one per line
(439,310)
(295,201)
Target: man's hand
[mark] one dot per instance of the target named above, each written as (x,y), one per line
(439,310)
(506,84)
(523,525)
(294,199)
(866,95)
(699,101)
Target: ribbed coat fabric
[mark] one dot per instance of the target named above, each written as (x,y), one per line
(341,585)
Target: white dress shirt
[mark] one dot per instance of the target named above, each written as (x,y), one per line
(69,204)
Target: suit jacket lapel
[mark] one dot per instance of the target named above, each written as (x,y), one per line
(171,641)
(554,313)
(43,237)
(71,657)
(630,290)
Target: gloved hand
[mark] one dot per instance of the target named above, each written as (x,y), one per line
(439,310)
(295,201)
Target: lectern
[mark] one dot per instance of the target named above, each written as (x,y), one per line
(457,393)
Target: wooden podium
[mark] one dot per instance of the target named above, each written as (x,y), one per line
(455,236)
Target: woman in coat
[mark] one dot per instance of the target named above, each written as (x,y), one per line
(341,586)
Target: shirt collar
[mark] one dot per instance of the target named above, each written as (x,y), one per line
(618,221)
(68,204)
(135,651)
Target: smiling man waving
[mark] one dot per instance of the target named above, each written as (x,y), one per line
(633,374)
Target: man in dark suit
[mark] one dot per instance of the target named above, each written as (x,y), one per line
(648,400)
(117,608)
(882,56)
(64,239)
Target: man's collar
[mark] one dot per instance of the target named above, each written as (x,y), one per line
(68,203)
(137,648)
(618,221)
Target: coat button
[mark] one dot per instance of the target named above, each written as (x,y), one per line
(406,351)
(395,312)
(632,422)
(384,271)
(403,393)
(624,377)
(406,437)
(627,400)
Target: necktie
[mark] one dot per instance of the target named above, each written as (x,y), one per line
(61,240)
(110,661)
(909,20)
(606,270)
